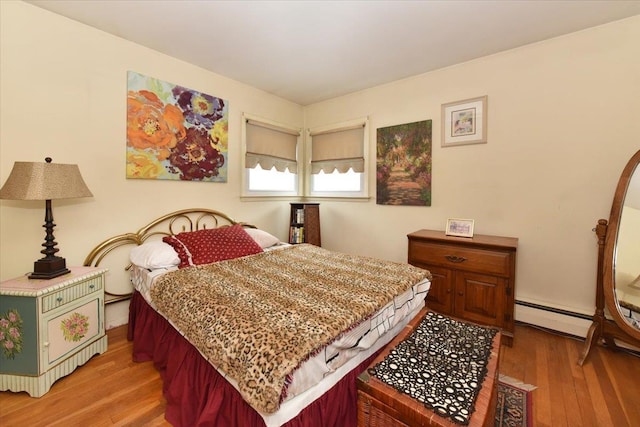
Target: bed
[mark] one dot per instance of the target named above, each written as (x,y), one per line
(250,331)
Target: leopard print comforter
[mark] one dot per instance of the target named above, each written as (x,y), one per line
(259,317)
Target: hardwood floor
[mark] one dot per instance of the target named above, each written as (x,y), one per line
(110,389)
(603,392)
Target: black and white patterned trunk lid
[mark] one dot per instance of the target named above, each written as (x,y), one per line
(442,364)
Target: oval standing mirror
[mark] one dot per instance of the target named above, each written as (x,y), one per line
(618,278)
(623,293)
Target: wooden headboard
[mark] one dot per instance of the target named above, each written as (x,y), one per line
(167,225)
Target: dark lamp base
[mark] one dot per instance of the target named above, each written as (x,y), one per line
(49,267)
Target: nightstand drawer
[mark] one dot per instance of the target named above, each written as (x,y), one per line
(461,258)
(71,293)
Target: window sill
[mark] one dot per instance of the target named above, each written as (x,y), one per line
(259,198)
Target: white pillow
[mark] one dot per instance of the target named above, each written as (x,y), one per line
(153,255)
(262,238)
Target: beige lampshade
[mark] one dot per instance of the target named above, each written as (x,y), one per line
(44,181)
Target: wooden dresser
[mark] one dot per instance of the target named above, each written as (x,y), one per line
(473,278)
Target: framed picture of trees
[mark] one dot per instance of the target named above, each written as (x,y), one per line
(403,164)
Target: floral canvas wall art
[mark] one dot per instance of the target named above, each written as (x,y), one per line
(175,133)
(403,164)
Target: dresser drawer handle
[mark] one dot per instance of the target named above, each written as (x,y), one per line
(454,258)
(59,299)
(92,286)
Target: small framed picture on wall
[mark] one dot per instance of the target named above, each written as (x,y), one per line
(464,122)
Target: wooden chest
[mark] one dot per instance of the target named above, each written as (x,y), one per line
(380,405)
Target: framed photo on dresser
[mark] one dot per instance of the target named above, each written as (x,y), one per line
(459,227)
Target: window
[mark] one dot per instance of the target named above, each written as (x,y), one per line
(335,159)
(338,156)
(270,164)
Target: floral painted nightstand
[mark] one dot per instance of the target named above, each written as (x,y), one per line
(49,327)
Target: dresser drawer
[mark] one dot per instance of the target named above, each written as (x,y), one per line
(460,258)
(71,293)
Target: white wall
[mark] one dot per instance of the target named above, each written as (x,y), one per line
(63,89)
(563,121)
(562,124)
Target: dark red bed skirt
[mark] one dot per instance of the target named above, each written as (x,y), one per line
(197,395)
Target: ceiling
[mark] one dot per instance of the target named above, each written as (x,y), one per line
(309,51)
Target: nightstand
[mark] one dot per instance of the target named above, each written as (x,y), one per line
(49,327)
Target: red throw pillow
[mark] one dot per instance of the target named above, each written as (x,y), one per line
(217,244)
(181,249)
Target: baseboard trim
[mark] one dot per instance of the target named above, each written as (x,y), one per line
(553,318)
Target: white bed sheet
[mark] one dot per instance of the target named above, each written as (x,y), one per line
(320,372)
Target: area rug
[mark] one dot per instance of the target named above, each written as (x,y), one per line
(514,407)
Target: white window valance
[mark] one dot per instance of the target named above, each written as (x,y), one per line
(338,149)
(271,146)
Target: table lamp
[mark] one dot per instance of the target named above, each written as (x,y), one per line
(45,181)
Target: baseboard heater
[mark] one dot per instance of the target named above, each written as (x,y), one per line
(554,310)
(568,323)
(552,318)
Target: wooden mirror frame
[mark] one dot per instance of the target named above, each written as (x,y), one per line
(607,233)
